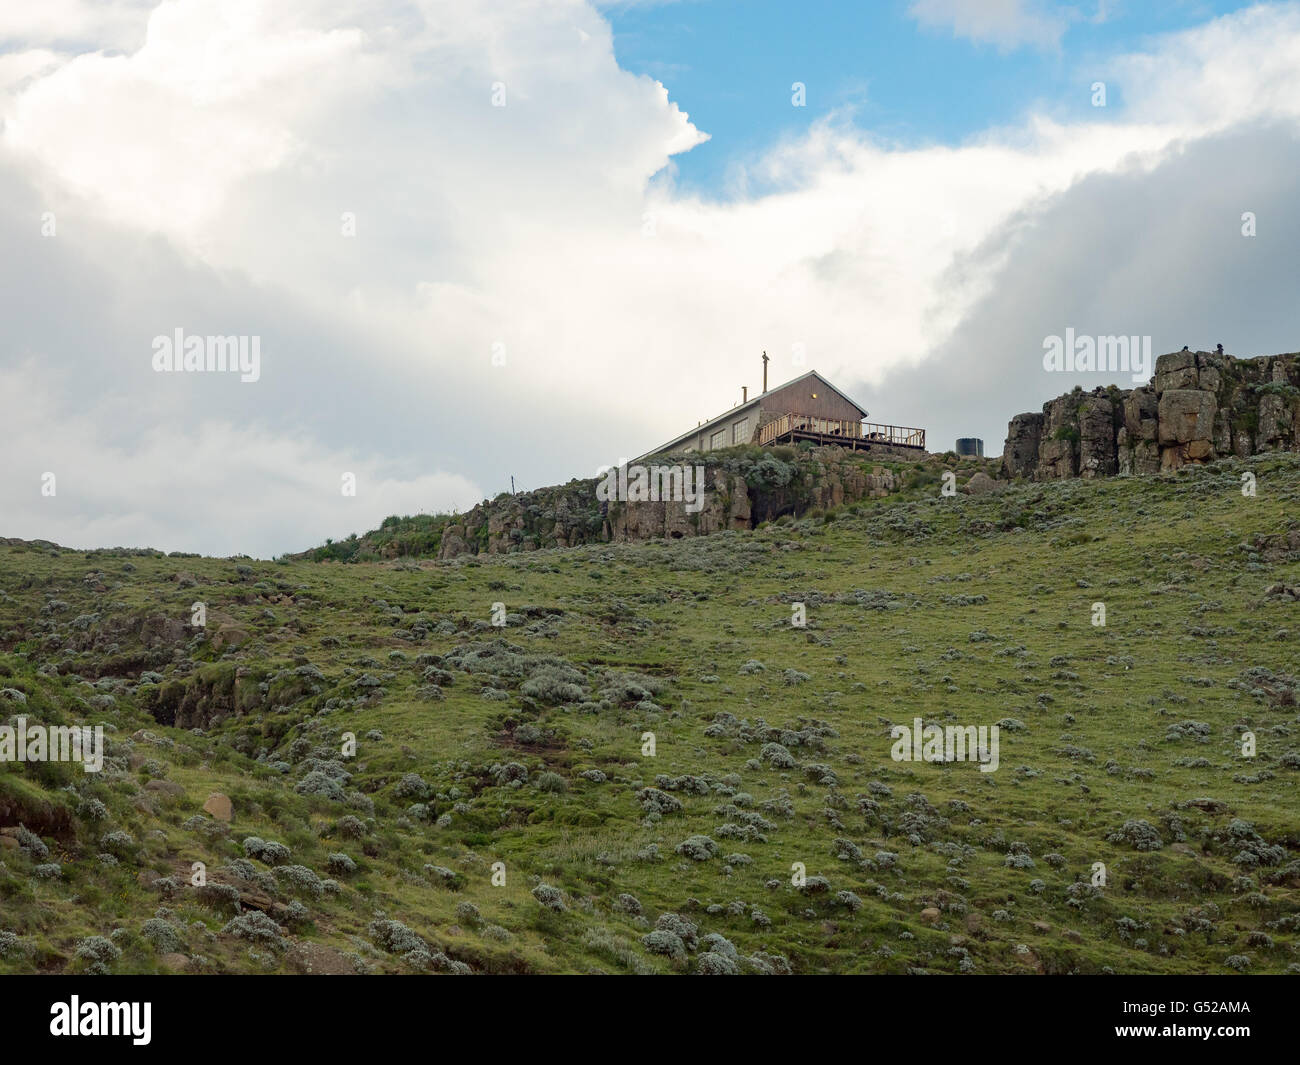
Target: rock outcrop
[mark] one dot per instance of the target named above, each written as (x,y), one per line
(1199,406)
(740,490)
(726,506)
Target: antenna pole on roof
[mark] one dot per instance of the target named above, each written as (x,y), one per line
(765,371)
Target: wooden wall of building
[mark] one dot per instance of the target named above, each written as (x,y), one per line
(797,398)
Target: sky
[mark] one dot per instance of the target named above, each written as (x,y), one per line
(527,239)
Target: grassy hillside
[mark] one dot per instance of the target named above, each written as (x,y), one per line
(523,745)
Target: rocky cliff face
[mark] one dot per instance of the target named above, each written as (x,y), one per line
(1198,407)
(739,492)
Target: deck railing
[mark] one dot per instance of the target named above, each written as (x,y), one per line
(901,435)
(806,423)
(872,432)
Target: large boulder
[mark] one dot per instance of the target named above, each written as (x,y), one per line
(1186,414)
(219,806)
(1146,458)
(502,521)
(1020,452)
(1058,454)
(1209,379)
(227,636)
(1141,411)
(453,542)
(1276,422)
(1097,457)
(1056,460)
(1176,371)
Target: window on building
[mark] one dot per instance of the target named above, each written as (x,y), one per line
(740,433)
(718,439)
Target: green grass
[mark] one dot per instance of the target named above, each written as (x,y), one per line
(965,610)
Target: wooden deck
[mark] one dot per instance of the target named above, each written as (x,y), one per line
(857,436)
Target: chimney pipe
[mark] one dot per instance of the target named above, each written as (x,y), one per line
(765,371)
(744,393)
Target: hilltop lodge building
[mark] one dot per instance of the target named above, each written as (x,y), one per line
(807,408)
